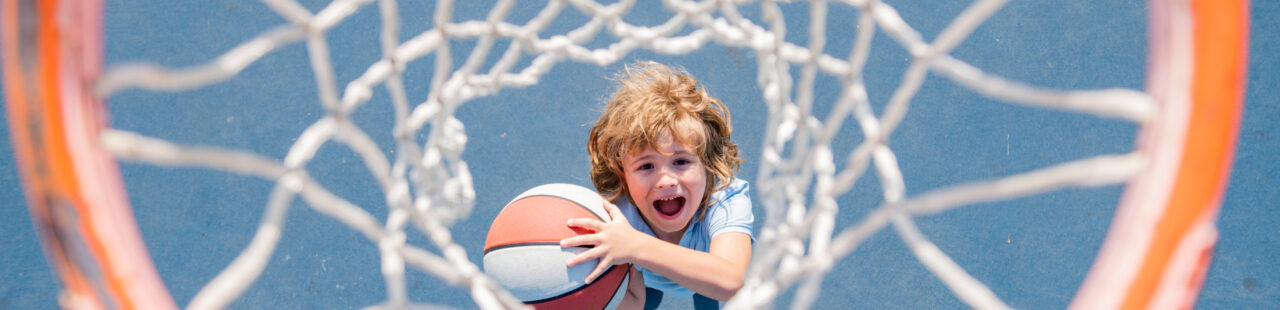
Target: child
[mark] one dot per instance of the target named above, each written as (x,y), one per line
(663,145)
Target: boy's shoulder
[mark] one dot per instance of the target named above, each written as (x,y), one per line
(732,201)
(730,211)
(737,188)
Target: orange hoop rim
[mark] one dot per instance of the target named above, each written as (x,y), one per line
(1161,240)
(53,51)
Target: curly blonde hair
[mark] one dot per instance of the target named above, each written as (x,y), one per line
(650,100)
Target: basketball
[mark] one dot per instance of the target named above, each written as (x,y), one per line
(522,250)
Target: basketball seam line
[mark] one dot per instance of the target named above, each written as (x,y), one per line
(528,243)
(579,288)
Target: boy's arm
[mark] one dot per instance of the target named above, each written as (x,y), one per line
(635,297)
(716,274)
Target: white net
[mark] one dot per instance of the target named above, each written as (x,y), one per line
(428,186)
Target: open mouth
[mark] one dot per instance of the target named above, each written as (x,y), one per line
(669,207)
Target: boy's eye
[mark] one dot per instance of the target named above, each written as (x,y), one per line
(682,162)
(645,167)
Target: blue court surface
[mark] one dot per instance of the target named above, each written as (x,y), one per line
(1033,252)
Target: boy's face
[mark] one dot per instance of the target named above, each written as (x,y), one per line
(666,184)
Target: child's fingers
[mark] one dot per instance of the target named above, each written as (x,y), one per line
(604,264)
(580,240)
(586,223)
(614,212)
(587,255)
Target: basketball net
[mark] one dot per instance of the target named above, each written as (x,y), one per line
(428,186)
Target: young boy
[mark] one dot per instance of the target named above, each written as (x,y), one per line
(661,152)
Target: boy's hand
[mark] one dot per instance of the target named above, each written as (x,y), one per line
(615,242)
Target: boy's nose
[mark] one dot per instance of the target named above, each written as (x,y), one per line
(666,179)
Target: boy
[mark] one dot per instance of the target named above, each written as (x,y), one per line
(661,152)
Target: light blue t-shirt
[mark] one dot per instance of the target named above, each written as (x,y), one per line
(730,211)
